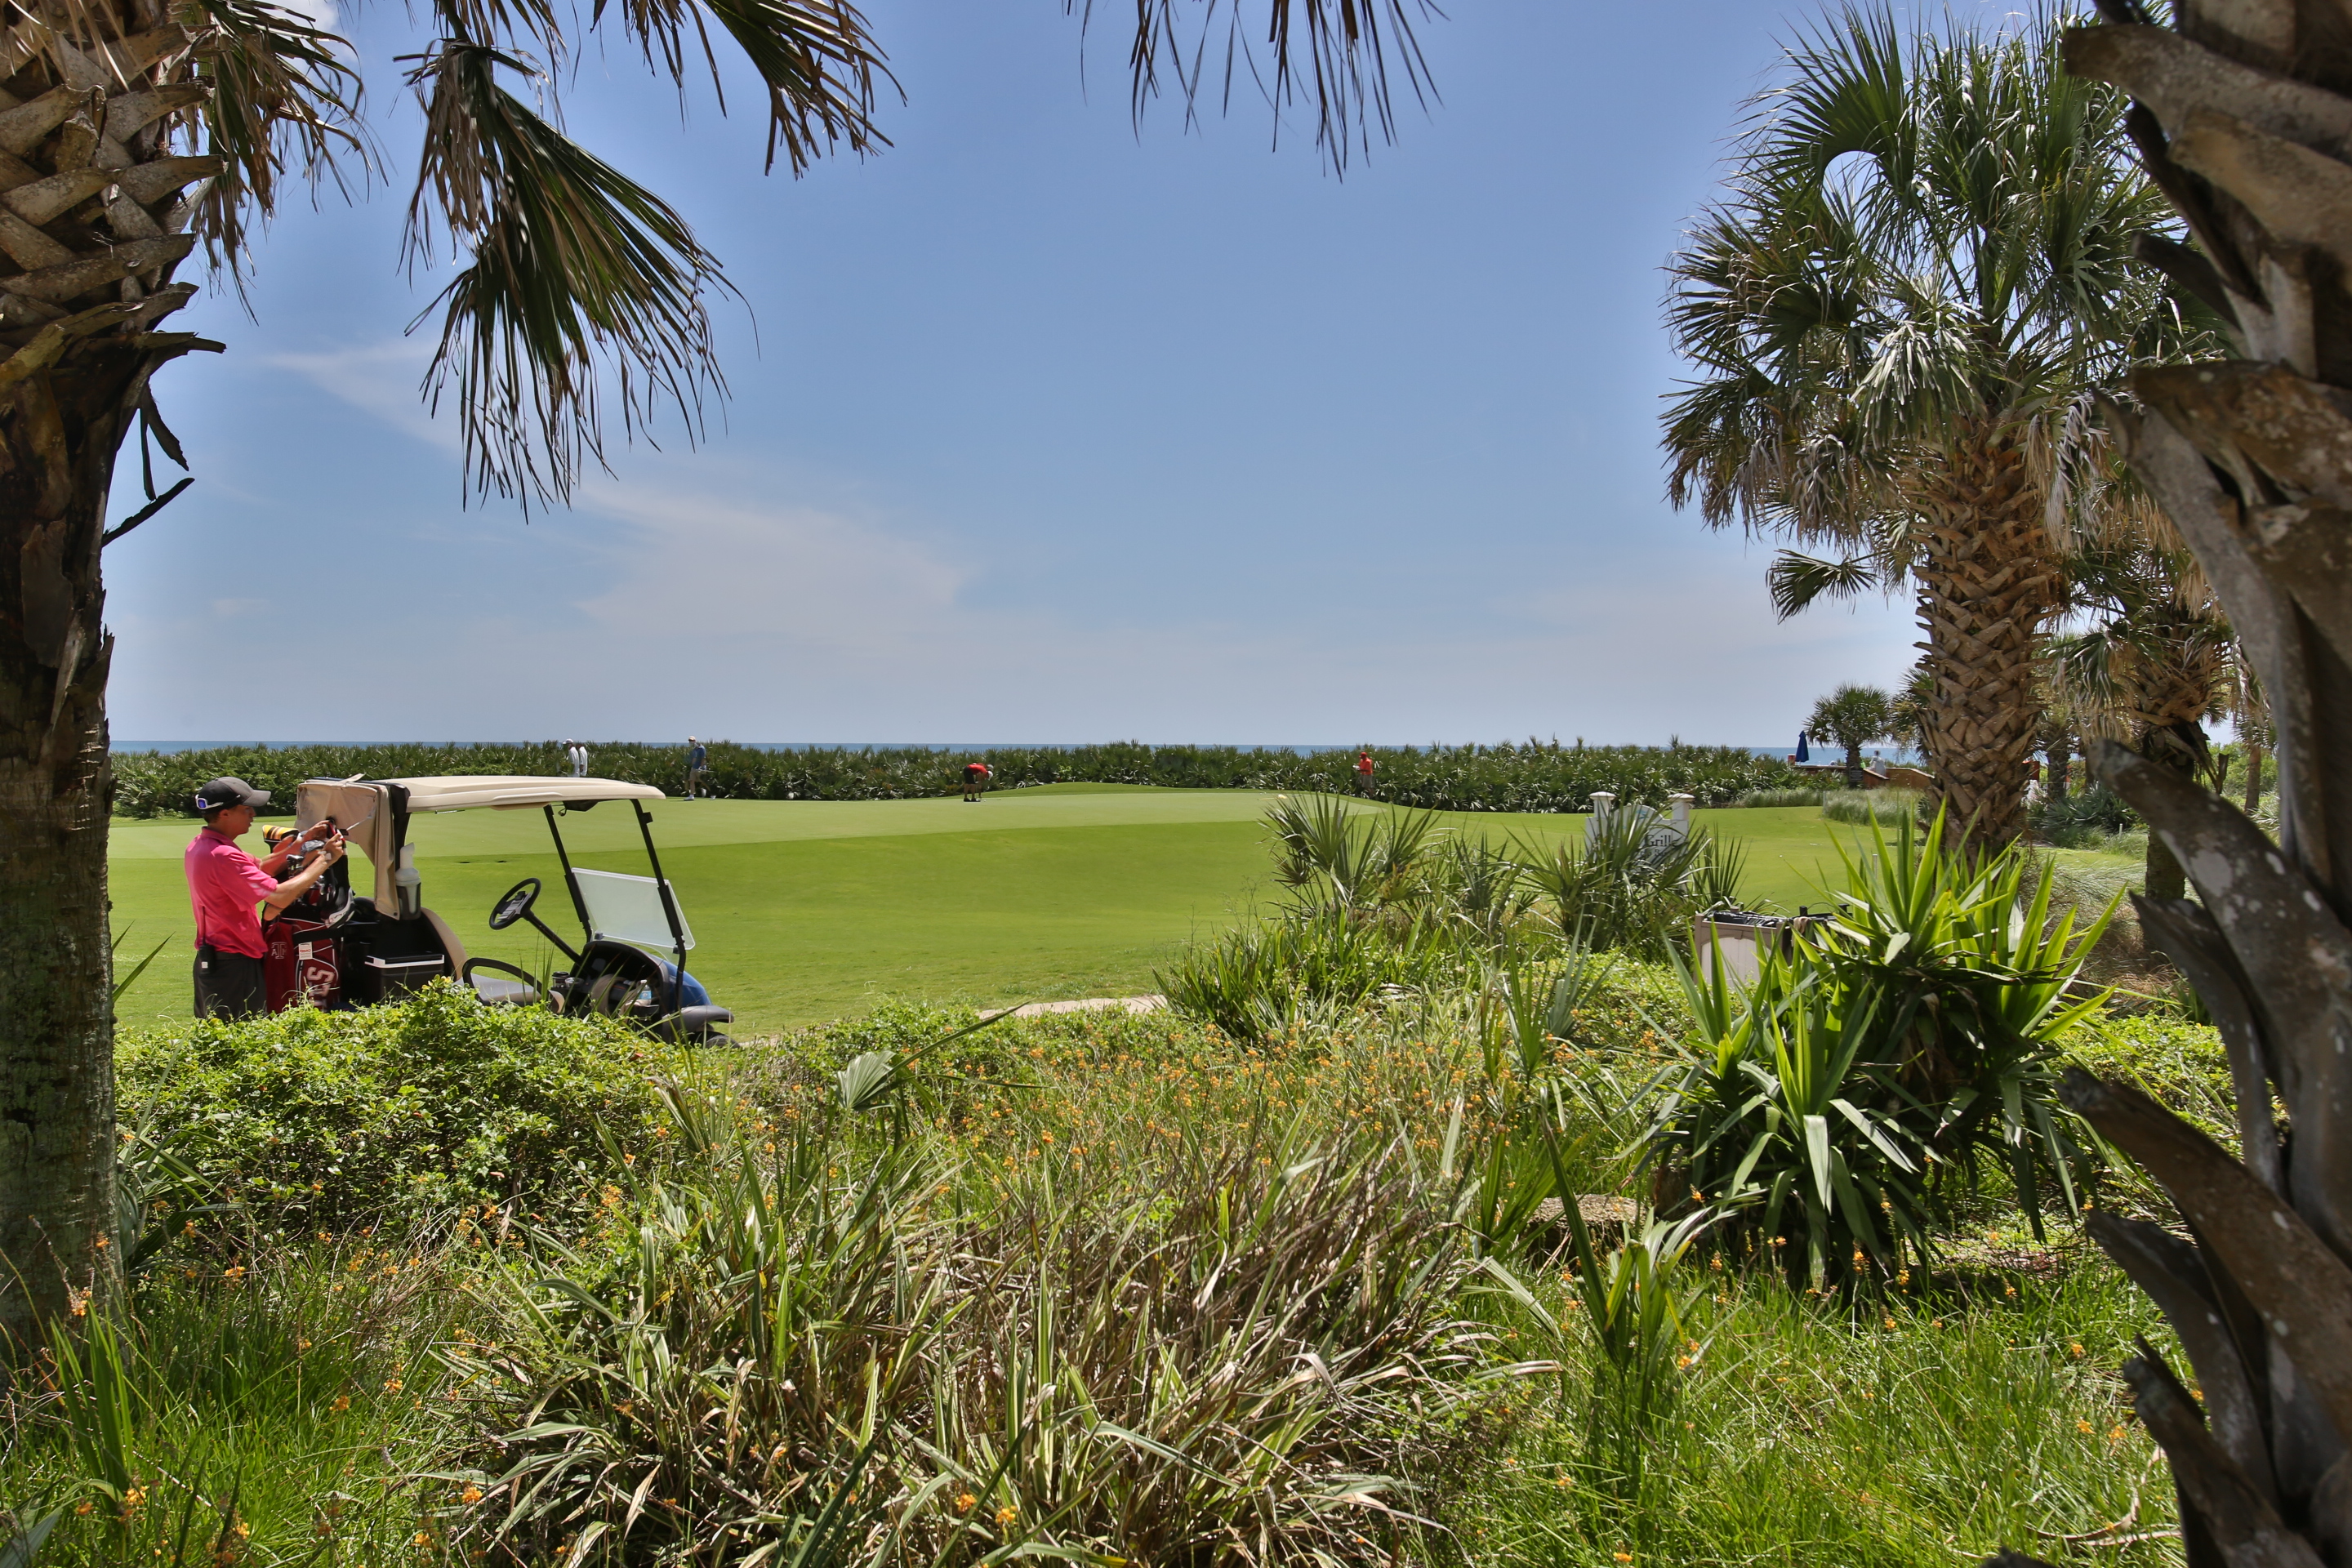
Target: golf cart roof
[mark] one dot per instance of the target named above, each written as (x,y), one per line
(515,792)
(376,830)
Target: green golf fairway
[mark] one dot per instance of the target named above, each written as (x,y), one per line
(810,910)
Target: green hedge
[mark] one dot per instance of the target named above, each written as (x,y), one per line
(1533,776)
(309,1118)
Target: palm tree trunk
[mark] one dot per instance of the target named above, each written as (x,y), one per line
(2253,776)
(2060,760)
(1989,580)
(1853,767)
(2251,459)
(90,228)
(58,439)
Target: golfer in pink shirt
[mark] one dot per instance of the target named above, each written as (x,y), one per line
(225,884)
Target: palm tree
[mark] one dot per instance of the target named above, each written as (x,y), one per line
(1924,255)
(133,132)
(2240,115)
(2251,715)
(2151,666)
(2055,730)
(1853,716)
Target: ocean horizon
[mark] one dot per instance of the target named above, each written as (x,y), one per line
(1820,754)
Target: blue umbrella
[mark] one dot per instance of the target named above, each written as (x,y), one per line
(1802,754)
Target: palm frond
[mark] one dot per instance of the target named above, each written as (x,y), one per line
(1338,55)
(1799,581)
(284,97)
(574,266)
(816,59)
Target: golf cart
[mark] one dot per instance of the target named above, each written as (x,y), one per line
(333,948)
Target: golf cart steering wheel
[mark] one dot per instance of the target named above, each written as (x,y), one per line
(515,903)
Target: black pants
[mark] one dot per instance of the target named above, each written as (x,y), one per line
(228,985)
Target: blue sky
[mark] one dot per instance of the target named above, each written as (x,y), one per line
(1039,430)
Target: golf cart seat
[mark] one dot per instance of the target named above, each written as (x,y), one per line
(618,980)
(497,991)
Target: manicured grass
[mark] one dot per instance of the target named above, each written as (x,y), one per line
(810,910)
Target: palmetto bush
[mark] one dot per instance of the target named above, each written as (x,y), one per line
(1633,884)
(2084,818)
(1844,1104)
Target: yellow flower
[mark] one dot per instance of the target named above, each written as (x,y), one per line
(2075,1350)
(2084,1428)
(424,1539)
(392,1385)
(472,1494)
(1890,1320)
(343,1403)
(1006,1515)
(964,1501)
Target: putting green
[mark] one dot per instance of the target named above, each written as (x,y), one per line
(810,910)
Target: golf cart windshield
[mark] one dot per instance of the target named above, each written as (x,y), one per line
(628,909)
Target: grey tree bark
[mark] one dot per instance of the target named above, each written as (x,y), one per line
(2244,118)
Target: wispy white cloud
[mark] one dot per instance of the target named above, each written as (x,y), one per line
(381,379)
(720,595)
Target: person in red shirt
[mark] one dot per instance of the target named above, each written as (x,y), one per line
(975,779)
(225,884)
(1364,770)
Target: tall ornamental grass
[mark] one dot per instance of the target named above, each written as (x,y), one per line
(1086,1286)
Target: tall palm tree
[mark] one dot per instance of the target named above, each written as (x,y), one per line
(135,132)
(1853,716)
(2242,113)
(1925,254)
(2150,664)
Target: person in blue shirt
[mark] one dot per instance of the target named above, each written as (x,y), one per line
(697,764)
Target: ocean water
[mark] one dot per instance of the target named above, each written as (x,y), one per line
(1820,754)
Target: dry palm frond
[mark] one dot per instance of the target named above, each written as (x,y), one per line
(282,92)
(573,263)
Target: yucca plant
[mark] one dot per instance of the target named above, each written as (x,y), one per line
(1631,1319)
(1846,1101)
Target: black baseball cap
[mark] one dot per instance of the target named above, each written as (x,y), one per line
(224,792)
